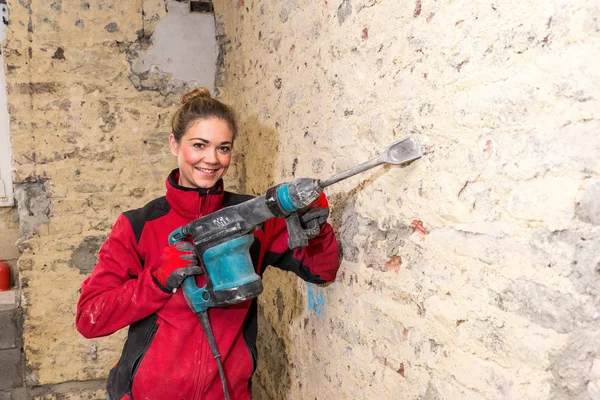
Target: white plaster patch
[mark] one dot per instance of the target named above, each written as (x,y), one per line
(184,45)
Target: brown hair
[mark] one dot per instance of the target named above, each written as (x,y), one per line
(198,104)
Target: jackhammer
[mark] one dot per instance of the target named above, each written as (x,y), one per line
(222,239)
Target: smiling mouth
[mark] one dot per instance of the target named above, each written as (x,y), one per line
(207,170)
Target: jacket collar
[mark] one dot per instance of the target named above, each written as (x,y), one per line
(192,203)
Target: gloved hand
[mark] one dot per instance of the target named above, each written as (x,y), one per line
(317,211)
(178,261)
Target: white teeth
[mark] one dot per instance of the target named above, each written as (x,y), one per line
(206,170)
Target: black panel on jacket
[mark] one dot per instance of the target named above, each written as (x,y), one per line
(288,262)
(251,332)
(231,199)
(138,341)
(153,210)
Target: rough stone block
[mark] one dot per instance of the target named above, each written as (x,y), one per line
(15,394)
(11,369)
(8,329)
(8,299)
(589,207)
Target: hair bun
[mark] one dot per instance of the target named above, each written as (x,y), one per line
(196,93)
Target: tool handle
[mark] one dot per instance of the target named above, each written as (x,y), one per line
(312,228)
(177,236)
(297,236)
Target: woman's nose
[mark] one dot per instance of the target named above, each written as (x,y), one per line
(211,157)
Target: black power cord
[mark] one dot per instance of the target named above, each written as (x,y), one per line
(205,322)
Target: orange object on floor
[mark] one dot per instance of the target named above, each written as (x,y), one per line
(4,276)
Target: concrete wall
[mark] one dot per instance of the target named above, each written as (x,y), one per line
(472,273)
(91,87)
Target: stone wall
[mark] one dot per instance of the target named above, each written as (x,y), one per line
(472,273)
(91,87)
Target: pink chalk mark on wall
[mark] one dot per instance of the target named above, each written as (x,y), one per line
(417,11)
(419,229)
(487,152)
(393,263)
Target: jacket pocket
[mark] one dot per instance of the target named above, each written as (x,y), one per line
(138,341)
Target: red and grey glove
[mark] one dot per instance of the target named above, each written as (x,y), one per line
(178,261)
(317,211)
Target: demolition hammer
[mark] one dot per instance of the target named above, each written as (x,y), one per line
(223,238)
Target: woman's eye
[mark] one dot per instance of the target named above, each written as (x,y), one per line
(199,145)
(224,149)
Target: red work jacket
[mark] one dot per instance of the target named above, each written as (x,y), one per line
(166,355)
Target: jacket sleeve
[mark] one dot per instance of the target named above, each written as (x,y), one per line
(316,263)
(119,291)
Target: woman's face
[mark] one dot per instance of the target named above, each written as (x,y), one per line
(204,153)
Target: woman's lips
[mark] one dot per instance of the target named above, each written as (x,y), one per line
(209,171)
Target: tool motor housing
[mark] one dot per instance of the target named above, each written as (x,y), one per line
(222,241)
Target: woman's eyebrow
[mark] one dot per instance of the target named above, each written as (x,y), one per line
(207,141)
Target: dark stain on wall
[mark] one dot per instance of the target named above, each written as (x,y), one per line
(344,11)
(85,256)
(272,377)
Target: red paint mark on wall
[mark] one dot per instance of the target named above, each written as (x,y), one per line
(427,149)
(242,3)
(365,34)
(417,225)
(394,263)
(417,9)
(419,229)
(487,152)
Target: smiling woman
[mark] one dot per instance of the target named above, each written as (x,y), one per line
(136,280)
(202,139)
(203,154)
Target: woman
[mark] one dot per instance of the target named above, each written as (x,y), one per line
(166,355)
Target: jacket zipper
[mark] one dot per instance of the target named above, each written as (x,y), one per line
(198,376)
(201,201)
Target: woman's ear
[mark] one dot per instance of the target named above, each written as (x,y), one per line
(173,145)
